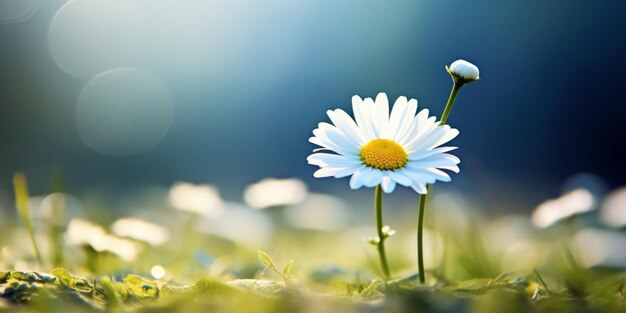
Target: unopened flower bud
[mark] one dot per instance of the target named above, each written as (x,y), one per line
(463,71)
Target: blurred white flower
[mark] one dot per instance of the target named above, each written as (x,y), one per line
(275,192)
(463,71)
(596,247)
(68,205)
(81,232)
(524,255)
(318,211)
(141,230)
(200,199)
(383,148)
(502,233)
(613,211)
(452,212)
(241,224)
(574,202)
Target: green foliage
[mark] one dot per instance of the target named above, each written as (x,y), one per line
(483,285)
(267,260)
(140,288)
(4,276)
(269,263)
(71,281)
(265,287)
(111,292)
(66,292)
(371,290)
(287,269)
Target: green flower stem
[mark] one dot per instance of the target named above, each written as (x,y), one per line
(378,208)
(420,237)
(453,94)
(422,202)
(21,202)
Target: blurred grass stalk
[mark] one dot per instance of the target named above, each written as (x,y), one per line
(58,207)
(21,202)
(56,229)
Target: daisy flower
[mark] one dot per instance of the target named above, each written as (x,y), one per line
(379,148)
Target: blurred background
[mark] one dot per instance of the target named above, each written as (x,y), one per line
(117,95)
(148,132)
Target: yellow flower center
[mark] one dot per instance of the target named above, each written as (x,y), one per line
(383,154)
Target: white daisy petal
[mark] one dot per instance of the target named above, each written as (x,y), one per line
(380,114)
(362,117)
(438,174)
(388,184)
(332,160)
(346,172)
(333,139)
(425,128)
(451,168)
(406,124)
(326,172)
(321,149)
(420,177)
(420,154)
(415,125)
(370,106)
(437,160)
(454,158)
(329,145)
(398,114)
(346,125)
(400,178)
(420,188)
(372,177)
(337,135)
(450,134)
(355,181)
(428,140)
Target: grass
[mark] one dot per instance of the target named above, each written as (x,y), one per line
(475,268)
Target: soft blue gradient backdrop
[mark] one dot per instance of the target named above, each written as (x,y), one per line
(250,81)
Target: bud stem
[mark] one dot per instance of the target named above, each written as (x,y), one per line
(453,94)
(422,202)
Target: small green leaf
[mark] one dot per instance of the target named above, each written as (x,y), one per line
(501,277)
(141,288)
(110,292)
(67,279)
(370,290)
(4,276)
(24,276)
(542,282)
(477,286)
(373,240)
(267,260)
(210,286)
(63,276)
(287,269)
